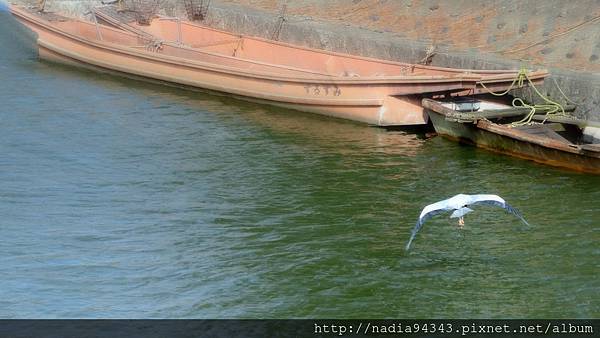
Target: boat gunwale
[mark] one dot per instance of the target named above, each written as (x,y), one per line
(129,50)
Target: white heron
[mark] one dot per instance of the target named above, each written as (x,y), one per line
(459,204)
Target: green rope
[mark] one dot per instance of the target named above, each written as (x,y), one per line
(519,80)
(552,107)
(563,93)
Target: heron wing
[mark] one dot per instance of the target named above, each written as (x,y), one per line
(498,201)
(515,212)
(428,212)
(485,199)
(436,208)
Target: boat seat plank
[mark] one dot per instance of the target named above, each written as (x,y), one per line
(467,116)
(500,113)
(591,147)
(504,113)
(542,130)
(567,120)
(512,112)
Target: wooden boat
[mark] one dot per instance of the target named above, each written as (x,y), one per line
(554,140)
(367,90)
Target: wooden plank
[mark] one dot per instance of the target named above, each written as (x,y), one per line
(496,114)
(486,114)
(567,120)
(499,113)
(591,147)
(543,131)
(512,112)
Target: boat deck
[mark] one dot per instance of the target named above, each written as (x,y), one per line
(187,39)
(189,35)
(544,130)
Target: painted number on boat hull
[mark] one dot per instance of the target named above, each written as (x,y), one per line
(323,90)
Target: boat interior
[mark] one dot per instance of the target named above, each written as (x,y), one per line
(101,33)
(187,39)
(198,37)
(560,127)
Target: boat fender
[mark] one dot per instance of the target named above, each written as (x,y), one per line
(591,135)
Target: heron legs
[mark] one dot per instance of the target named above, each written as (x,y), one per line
(461,222)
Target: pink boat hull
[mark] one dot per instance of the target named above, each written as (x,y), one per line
(383,94)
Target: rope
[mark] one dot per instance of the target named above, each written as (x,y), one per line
(520,79)
(154,46)
(429,54)
(280,21)
(552,107)
(563,93)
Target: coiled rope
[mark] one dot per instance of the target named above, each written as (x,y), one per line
(551,107)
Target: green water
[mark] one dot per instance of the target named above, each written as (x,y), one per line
(121,199)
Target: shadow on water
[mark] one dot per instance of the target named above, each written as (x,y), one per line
(127,199)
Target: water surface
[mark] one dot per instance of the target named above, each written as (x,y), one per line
(121,199)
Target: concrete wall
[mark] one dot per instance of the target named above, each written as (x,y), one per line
(529,30)
(559,35)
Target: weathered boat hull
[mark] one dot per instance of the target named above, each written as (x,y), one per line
(513,142)
(379,101)
(376,92)
(259,50)
(390,111)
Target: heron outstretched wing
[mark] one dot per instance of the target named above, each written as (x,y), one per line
(428,212)
(515,212)
(498,201)
(485,199)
